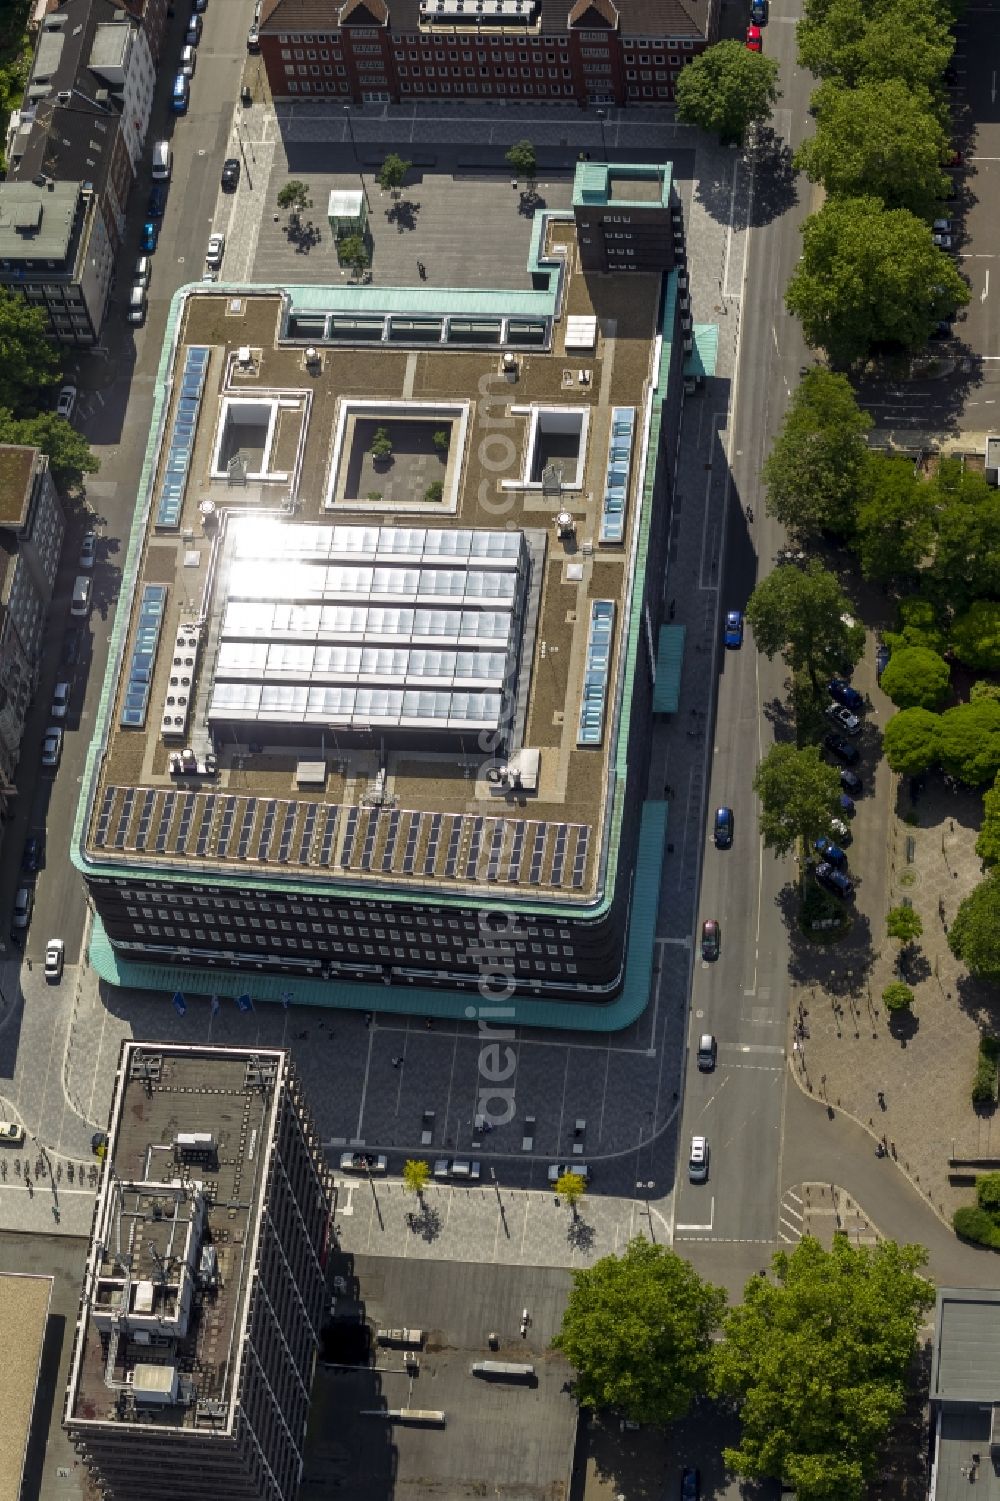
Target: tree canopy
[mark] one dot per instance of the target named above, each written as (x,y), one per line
(859,41)
(895,520)
(803,614)
(638,1330)
(294,197)
(882,138)
(969,741)
(966,562)
(726,89)
(799,796)
(818,1359)
(416,1175)
(70,455)
(974,936)
(975,636)
(915,677)
(392,172)
(870,275)
(903,924)
(911,741)
(522,159)
(817,470)
(988,842)
(29,361)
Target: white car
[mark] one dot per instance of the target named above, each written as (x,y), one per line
(60,700)
(88,550)
(363,1162)
(698,1160)
(214,251)
(557,1169)
(52,746)
(55,953)
(942,241)
(66,402)
(11,1134)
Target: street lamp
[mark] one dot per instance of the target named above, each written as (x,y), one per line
(601,117)
(354,153)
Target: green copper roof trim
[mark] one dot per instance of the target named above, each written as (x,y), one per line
(705,350)
(592,183)
(669,666)
(362,995)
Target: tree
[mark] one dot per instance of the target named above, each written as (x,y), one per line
(916,678)
(571,1187)
(817,470)
(882,138)
(392,172)
(70,455)
(28,359)
(799,796)
(903,924)
(819,1359)
(856,41)
(969,741)
(895,520)
(353,251)
(638,1330)
(869,275)
(727,89)
(910,741)
(918,626)
(967,555)
(974,936)
(523,162)
(804,614)
(988,841)
(442,440)
(434,491)
(975,636)
(416,1175)
(294,197)
(897,996)
(380,446)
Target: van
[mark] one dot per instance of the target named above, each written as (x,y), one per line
(189,59)
(163,160)
(181,95)
(137,304)
(81,593)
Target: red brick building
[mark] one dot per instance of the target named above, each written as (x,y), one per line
(591,52)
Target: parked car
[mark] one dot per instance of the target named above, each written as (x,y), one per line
(66,402)
(755,42)
(841,829)
(882,655)
(143,271)
(215,251)
(72,642)
(724,825)
(707,1052)
(157,200)
(88,550)
(52,746)
(698,1160)
(846,803)
(711,939)
(189,61)
(137,302)
(758,12)
(852,783)
(690,1484)
(31,855)
(844,719)
(363,1162)
(253,38)
(230,174)
(55,953)
(734,629)
(197,6)
(460,1168)
(942,329)
(941,226)
(180,96)
(841,690)
(831,853)
(557,1169)
(835,880)
(193,34)
(24,901)
(150,235)
(11,1134)
(942,241)
(842,749)
(61,694)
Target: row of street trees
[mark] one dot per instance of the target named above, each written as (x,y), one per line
(30,368)
(816,1359)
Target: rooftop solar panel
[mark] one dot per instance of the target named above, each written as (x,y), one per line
(353,814)
(184,826)
(558,856)
(288,824)
(246,828)
(433,840)
(580,855)
(535,871)
(370,834)
(475,845)
(226,826)
(123,818)
(308,825)
(104,816)
(516,848)
(163,827)
(205,825)
(330,830)
(390,839)
(496,845)
(454,840)
(145,818)
(267,828)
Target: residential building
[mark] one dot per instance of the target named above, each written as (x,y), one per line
(588,53)
(204,1288)
(57,252)
(382,720)
(32,527)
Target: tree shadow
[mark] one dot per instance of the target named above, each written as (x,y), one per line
(529,203)
(913,966)
(579,1234)
(403,213)
(778,713)
(842,966)
(903,1025)
(426,1224)
(303,235)
(776,190)
(979,1000)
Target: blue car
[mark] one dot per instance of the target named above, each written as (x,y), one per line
(723,828)
(831,853)
(734,629)
(841,690)
(150,235)
(758,12)
(181,93)
(847,805)
(835,880)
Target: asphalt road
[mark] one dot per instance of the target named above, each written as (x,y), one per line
(743,997)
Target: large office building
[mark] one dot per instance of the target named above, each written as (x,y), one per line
(377,711)
(204,1287)
(588,53)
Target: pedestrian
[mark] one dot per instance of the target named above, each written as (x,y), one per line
(396,1062)
(881,1099)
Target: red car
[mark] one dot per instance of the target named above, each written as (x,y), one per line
(754,39)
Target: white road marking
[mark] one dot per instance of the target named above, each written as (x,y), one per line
(986,288)
(709,1226)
